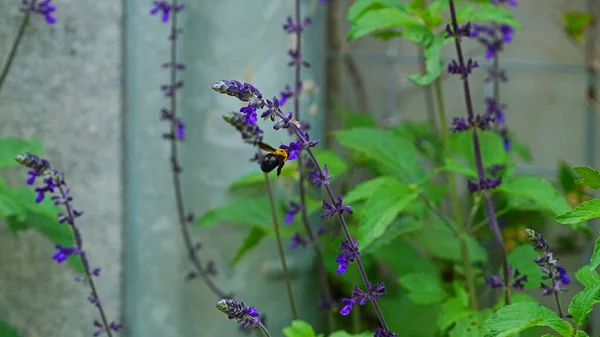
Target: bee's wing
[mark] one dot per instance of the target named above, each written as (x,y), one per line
(265,147)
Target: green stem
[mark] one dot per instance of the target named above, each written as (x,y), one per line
(15,45)
(464,248)
(286,273)
(484,222)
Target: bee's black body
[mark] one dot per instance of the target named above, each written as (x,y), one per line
(275,159)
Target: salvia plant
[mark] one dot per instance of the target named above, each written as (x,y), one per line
(402,253)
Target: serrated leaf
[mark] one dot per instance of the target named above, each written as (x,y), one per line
(10,147)
(595,259)
(518,317)
(246,211)
(589,176)
(251,241)
(587,277)
(409,318)
(583,212)
(521,258)
(299,329)
(581,333)
(582,303)
(452,311)
(566,177)
(538,191)
(366,189)
(378,19)
(382,209)
(486,12)
(385,147)
(423,288)
(361,6)
(469,326)
(7,330)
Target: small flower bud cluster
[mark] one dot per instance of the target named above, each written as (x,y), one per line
(553,271)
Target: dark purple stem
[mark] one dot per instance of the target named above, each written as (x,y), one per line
(302,190)
(489,206)
(176,169)
(84,260)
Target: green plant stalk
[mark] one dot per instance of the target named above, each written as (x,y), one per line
(281,251)
(15,46)
(264,329)
(462,236)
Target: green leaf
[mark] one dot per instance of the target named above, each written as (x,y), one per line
(536,193)
(257,178)
(7,330)
(342,333)
(382,209)
(518,317)
(361,6)
(434,65)
(409,318)
(352,119)
(440,242)
(378,19)
(582,303)
(486,12)
(454,165)
(575,24)
(583,212)
(566,177)
(402,226)
(588,277)
(452,311)
(469,326)
(521,258)
(595,259)
(491,146)
(412,260)
(589,176)
(423,288)
(246,211)
(299,329)
(367,188)
(581,333)
(10,147)
(418,33)
(251,241)
(385,147)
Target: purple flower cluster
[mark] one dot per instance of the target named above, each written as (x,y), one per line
(54,184)
(553,271)
(166,8)
(361,297)
(44,8)
(518,281)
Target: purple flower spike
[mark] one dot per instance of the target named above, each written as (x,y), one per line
(338,208)
(63,253)
(291,212)
(316,177)
(165,8)
(349,254)
(44,8)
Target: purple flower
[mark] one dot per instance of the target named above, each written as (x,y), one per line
(461,124)
(512,3)
(63,253)
(337,208)
(291,211)
(464,71)
(100,329)
(318,177)
(166,115)
(298,241)
(553,271)
(243,91)
(294,149)
(465,30)
(251,133)
(44,8)
(483,184)
(166,8)
(360,297)
(285,95)
(518,280)
(349,254)
(379,332)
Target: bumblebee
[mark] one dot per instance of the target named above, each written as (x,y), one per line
(276,158)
